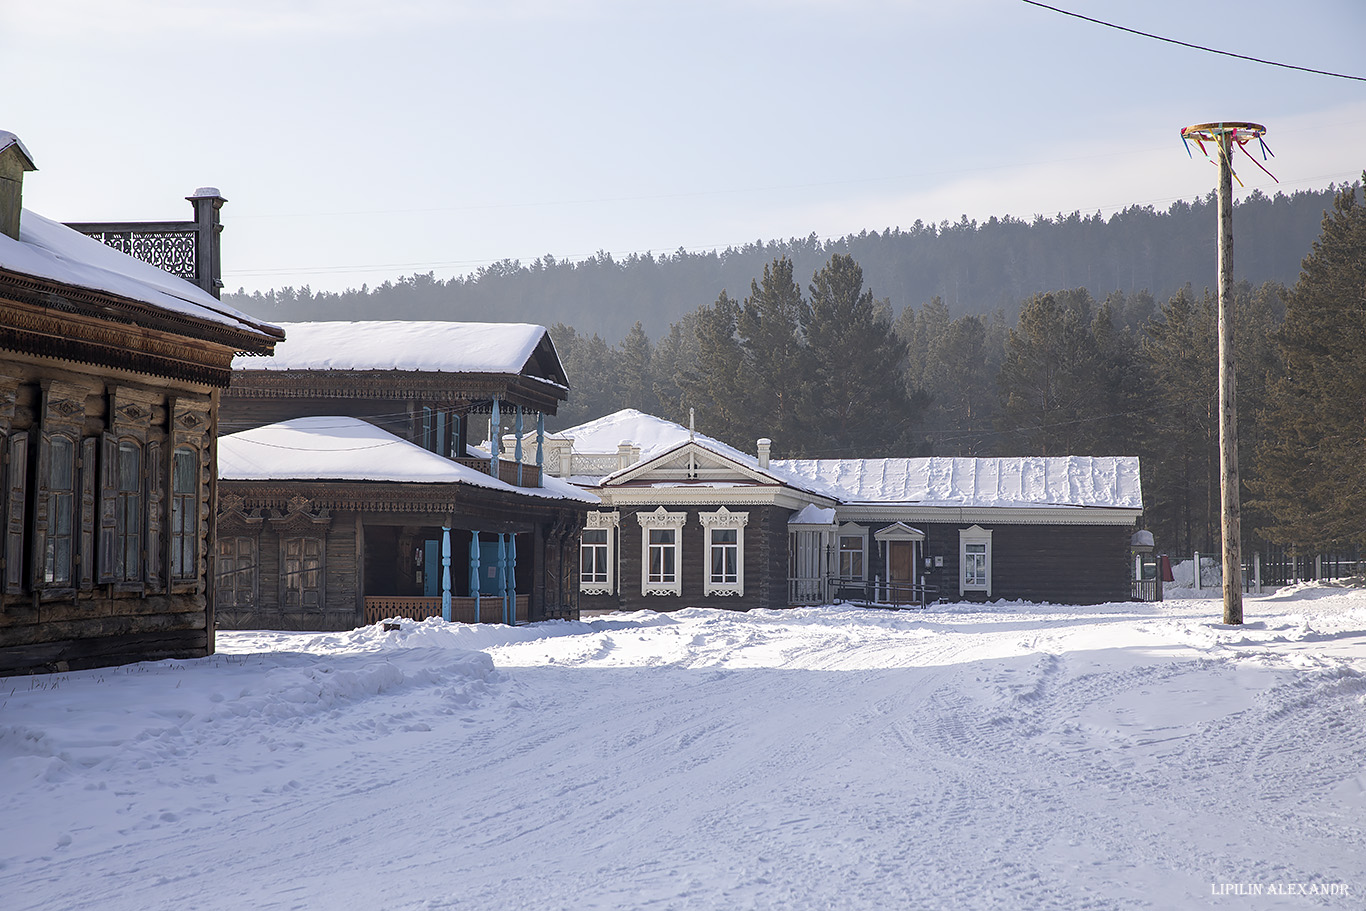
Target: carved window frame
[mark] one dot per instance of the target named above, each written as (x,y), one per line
(237,525)
(190,432)
(975,537)
(723,520)
(59,493)
(301,524)
(662,520)
(609,524)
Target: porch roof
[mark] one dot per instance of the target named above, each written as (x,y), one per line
(339,448)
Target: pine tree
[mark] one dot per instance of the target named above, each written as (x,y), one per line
(857,403)
(1312,482)
(1050,378)
(770,332)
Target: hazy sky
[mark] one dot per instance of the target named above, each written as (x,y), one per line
(357,141)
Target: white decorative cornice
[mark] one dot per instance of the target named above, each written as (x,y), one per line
(661,518)
(603,520)
(723,518)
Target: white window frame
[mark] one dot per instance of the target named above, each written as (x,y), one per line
(851,530)
(730,521)
(609,522)
(979,536)
(661,519)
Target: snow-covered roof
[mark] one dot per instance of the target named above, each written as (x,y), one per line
(653,435)
(337,448)
(811,514)
(413,345)
(1091,481)
(49,250)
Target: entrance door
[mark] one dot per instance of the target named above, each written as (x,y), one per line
(901,571)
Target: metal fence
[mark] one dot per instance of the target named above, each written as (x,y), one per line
(1269,567)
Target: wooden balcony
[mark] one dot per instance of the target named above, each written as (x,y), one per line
(388,607)
(507,471)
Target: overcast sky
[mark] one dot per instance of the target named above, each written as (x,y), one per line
(357,141)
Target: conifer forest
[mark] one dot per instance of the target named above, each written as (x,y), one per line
(1063,336)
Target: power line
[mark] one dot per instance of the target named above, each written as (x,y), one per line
(1197,47)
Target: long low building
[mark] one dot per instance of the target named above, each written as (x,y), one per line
(687,521)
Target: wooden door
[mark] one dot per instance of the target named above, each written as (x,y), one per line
(901,570)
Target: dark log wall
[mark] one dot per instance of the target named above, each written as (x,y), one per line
(342,606)
(89,623)
(765,570)
(1062,564)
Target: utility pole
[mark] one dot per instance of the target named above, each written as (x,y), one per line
(1230,524)
(1224,135)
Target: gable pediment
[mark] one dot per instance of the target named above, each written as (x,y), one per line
(692,463)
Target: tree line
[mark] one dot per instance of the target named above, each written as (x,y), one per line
(828,371)
(971,266)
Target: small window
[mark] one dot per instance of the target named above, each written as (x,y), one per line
(593,557)
(974,560)
(185,514)
(129,513)
(302,565)
(725,556)
(237,572)
(851,556)
(725,566)
(61,501)
(663,556)
(661,541)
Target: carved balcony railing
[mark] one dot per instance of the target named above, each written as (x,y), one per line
(187,249)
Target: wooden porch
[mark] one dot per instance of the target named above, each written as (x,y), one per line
(387,607)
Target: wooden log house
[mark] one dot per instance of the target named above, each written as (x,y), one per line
(688,521)
(355,491)
(109,377)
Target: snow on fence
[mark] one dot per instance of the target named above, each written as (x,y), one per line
(1274,567)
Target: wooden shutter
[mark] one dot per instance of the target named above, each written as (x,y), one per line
(155,492)
(16,489)
(85,526)
(41,504)
(312,595)
(107,565)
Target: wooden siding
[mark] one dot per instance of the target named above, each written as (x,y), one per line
(1062,564)
(85,623)
(765,578)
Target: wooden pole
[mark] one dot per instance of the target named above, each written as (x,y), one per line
(1230,524)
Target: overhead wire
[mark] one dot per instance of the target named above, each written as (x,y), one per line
(1196,47)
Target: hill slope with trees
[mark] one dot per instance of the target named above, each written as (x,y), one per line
(972,267)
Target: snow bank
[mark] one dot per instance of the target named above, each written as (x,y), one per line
(996,756)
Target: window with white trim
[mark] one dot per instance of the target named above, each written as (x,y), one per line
(725,535)
(974,560)
(851,551)
(597,554)
(851,557)
(661,535)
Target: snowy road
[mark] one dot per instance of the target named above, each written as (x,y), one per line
(1011,757)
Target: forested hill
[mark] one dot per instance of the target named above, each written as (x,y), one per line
(974,268)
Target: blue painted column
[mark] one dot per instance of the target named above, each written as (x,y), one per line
(495,438)
(519,445)
(502,566)
(511,576)
(446,573)
(540,449)
(474,572)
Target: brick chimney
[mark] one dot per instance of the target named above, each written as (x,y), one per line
(14,161)
(764,446)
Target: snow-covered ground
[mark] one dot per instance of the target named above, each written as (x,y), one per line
(1009,756)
